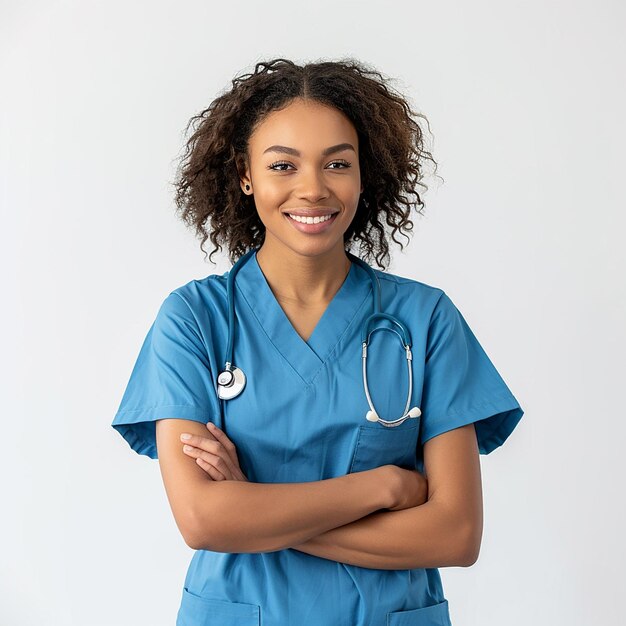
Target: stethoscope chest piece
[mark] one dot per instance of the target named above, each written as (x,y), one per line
(230,382)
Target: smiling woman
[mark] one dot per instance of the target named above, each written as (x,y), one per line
(386,152)
(314,192)
(303,503)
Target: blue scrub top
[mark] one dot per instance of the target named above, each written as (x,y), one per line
(301,417)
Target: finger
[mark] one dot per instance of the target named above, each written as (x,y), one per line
(195,453)
(220,461)
(229,446)
(238,474)
(209,469)
(197,441)
(209,444)
(208,465)
(217,443)
(225,471)
(221,436)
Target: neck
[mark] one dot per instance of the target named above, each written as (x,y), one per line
(301,280)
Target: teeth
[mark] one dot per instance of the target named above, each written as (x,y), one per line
(310,220)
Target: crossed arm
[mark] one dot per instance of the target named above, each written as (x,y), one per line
(444,531)
(343,518)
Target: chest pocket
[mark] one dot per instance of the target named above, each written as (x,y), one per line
(378,445)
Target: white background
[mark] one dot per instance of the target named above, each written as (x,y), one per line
(526,105)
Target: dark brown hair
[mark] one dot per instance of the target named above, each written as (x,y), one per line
(391,153)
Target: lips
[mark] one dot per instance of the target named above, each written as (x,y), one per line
(312,228)
(313,213)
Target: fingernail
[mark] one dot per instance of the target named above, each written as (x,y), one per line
(185,436)
(212,426)
(187,448)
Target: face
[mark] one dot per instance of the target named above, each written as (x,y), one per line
(304,161)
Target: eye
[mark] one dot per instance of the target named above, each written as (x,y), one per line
(344,163)
(274,166)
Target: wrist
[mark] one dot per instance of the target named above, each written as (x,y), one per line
(387,485)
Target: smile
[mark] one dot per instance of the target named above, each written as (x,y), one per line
(310,220)
(311,225)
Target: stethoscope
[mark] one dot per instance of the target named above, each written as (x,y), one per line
(232,380)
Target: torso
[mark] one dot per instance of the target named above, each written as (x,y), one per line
(301,418)
(303,319)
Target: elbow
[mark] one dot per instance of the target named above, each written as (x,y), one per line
(469,556)
(469,549)
(192,538)
(197,544)
(201,527)
(189,529)
(200,533)
(198,538)
(191,542)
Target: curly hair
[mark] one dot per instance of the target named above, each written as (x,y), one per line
(391,153)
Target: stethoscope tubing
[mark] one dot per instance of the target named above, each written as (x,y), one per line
(229,376)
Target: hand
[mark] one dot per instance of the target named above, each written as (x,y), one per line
(410,488)
(215,454)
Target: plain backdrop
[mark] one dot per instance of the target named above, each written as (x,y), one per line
(526,106)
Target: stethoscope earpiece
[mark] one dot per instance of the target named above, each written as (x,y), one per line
(371,416)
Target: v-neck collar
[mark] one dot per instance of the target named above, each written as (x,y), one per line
(306,357)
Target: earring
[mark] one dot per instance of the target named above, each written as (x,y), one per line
(247,187)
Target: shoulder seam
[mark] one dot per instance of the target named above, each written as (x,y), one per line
(403,280)
(191,311)
(177,293)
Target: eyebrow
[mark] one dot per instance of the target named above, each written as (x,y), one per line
(338,148)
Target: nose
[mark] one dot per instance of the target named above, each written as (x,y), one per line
(312,186)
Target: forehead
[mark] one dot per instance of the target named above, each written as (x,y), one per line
(307,126)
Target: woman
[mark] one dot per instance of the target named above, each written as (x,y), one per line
(303,505)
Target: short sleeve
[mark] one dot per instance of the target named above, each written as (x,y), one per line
(461,384)
(170,379)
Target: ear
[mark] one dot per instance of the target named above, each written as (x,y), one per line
(243,171)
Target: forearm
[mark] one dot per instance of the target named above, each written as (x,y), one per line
(423,536)
(239,516)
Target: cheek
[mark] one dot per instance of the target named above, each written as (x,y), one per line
(351,201)
(350,191)
(268,203)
